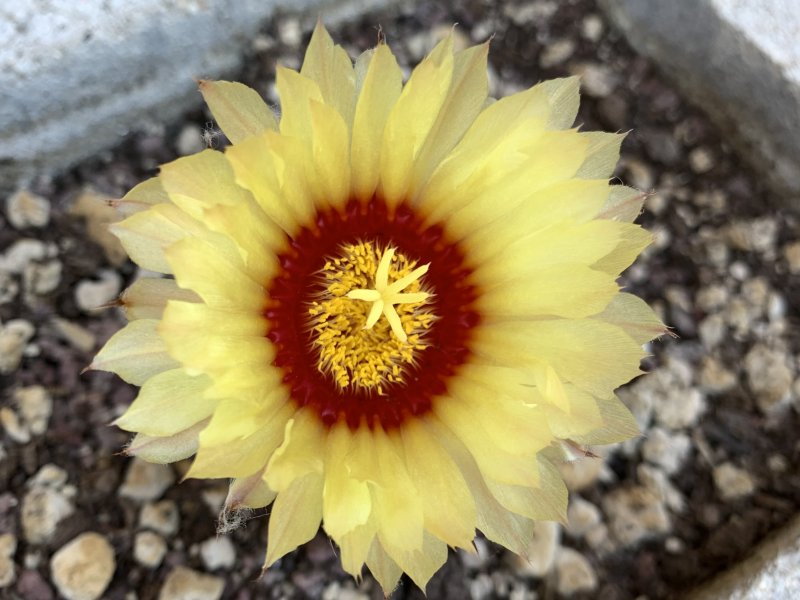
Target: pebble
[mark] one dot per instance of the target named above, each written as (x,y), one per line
(14,426)
(715,378)
(186,584)
(42,278)
(701,160)
(14,335)
(657,481)
(769,376)
(757,235)
(530,12)
(592,27)
(74,334)
(712,331)
(162,517)
(597,80)
(149,549)
(83,568)
(45,504)
(145,481)
(190,140)
(476,560)
(289,31)
(639,174)
(91,294)
(582,516)
(791,252)
(634,514)
(481,587)
(218,553)
(25,209)
(9,288)
(732,482)
(581,473)
(99,214)
(665,449)
(541,551)
(21,253)
(35,407)
(556,53)
(680,408)
(8,545)
(712,297)
(574,573)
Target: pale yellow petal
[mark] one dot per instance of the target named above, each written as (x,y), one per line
(623,204)
(397,506)
(596,356)
(331,68)
(619,424)
(295,92)
(141,197)
(634,316)
(272,167)
(346,501)
(601,155)
(469,87)
(168,403)
(147,297)
(295,516)
(419,564)
(383,568)
(634,240)
(330,170)
(135,353)
(300,453)
(570,290)
(238,110)
(545,502)
(146,234)
(249,492)
(215,271)
(411,119)
(381,88)
(355,546)
(200,181)
(165,450)
(446,500)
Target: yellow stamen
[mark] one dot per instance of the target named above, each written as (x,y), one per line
(355,345)
(385,296)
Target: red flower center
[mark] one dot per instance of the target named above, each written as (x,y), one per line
(296,287)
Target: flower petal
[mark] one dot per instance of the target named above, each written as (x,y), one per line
(295,516)
(330,67)
(238,110)
(147,297)
(136,353)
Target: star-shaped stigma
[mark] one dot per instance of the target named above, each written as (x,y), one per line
(385,296)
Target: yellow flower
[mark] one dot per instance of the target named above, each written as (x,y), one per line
(385,308)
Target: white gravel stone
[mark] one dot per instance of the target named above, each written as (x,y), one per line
(476,560)
(95,209)
(218,553)
(14,335)
(9,288)
(732,482)
(597,80)
(8,545)
(713,330)
(42,278)
(592,27)
(541,552)
(190,140)
(574,573)
(655,480)
(13,426)
(634,514)
(145,481)
(556,53)
(679,408)
(186,584)
(91,294)
(582,516)
(701,160)
(666,449)
(74,334)
(769,375)
(791,252)
(25,209)
(83,568)
(149,549)
(22,252)
(481,587)
(581,473)
(45,504)
(162,517)
(35,406)
(715,378)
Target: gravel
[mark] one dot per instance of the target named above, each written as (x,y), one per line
(716,469)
